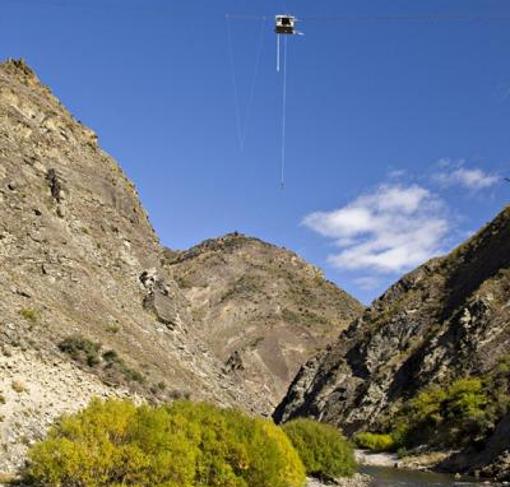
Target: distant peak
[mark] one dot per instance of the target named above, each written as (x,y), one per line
(18,67)
(232,238)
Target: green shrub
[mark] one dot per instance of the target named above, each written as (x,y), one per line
(81,350)
(87,352)
(445,417)
(460,414)
(240,451)
(115,365)
(113,328)
(375,442)
(402,452)
(324,451)
(115,443)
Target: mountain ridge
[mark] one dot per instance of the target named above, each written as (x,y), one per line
(271,308)
(447,319)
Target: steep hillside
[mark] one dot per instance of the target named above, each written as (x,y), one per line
(450,318)
(80,265)
(263,310)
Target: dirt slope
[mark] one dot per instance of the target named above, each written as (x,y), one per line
(263,310)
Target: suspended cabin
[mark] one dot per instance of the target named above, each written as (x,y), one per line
(285,24)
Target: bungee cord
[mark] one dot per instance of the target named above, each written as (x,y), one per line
(284,115)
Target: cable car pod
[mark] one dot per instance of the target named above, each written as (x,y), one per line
(285,24)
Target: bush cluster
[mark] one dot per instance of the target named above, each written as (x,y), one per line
(324,451)
(115,443)
(81,350)
(89,353)
(376,442)
(458,415)
(445,417)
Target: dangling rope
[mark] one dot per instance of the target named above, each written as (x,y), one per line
(242,122)
(277,53)
(284,113)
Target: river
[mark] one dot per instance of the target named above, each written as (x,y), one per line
(394,477)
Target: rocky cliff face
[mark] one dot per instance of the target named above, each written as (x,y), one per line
(80,266)
(447,319)
(263,310)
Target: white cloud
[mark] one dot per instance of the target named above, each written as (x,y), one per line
(390,230)
(367,283)
(454,174)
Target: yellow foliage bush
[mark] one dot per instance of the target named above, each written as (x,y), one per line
(376,442)
(259,452)
(115,443)
(325,452)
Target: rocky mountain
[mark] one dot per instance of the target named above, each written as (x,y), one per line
(86,306)
(92,305)
(449,318)
(261,308)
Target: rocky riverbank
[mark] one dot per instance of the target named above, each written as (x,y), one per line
(358,480)
(364,457)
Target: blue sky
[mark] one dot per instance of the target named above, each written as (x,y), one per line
(397,130)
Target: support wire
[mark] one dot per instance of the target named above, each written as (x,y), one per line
(243,119)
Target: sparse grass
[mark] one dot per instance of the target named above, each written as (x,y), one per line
(30,315)
(176,394)
(184,282)
(244,288)
(115,363)
(113,328)
(255,342)
(303,317)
